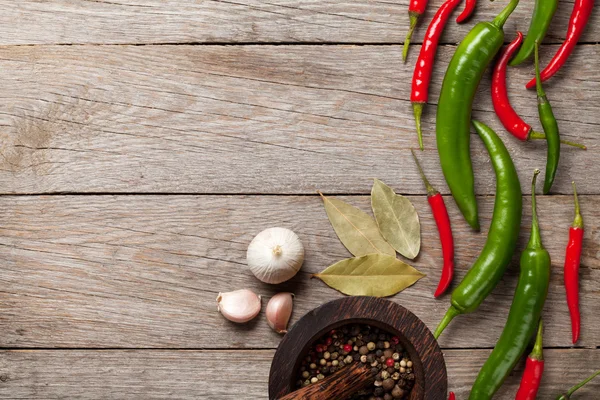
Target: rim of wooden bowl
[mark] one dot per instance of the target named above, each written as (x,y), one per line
(431,379)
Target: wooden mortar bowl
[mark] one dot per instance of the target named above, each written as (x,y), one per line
(431,380)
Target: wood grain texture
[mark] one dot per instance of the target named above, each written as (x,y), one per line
(144,271)
(220,21)
(227,375)
(255,119)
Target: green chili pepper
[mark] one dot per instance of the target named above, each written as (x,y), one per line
(575,388)
(550,127)
(501,242)
(463,75)
(524,316)
(540,21)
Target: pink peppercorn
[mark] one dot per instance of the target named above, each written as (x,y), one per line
(395,339)
(347,348)
(328,341)
(390,362)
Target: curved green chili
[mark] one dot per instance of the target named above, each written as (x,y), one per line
(540,21)
(524,316)
(550,127)
(567,396)
(463,75)
(501,242)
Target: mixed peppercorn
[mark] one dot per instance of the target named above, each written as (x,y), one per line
(364,344)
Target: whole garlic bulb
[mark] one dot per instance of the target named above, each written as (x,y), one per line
(239,306)
(275,255)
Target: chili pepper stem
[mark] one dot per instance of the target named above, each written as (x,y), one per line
(575,388)
(500,20)
(578,222)
(535,240)
(450,315)
(538,78)
(540,136)
(430,189)
(418,111)
(538,349)
(414,17)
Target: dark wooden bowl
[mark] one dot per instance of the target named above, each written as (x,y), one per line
(431,380)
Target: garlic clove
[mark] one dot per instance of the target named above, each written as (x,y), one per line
(279,311)
(239,306)
(275,255)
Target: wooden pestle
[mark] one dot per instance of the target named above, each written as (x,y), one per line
(340,385)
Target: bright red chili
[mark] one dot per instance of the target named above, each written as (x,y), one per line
(469,8)
(534,369)
(506,113)
(571,273)
(452,396)
(416,8)
(424,67)
(442,220)
(579,19)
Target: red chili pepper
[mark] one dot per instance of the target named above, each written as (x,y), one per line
(534,369)
(579,19)
(424,66)
(452,396)
(506,113)
(416,8)
(469,8)
(572,262)
(442,220)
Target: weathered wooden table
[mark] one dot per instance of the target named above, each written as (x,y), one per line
(145,142)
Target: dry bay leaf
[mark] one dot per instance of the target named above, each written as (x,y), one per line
(355,228)
(397,219)
(376,275)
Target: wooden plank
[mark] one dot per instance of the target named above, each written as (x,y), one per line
(253,119)
(140,271)
(216,21)
(88,374)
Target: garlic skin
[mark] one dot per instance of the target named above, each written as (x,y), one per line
(275,255)
(279,311)
(239,306)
